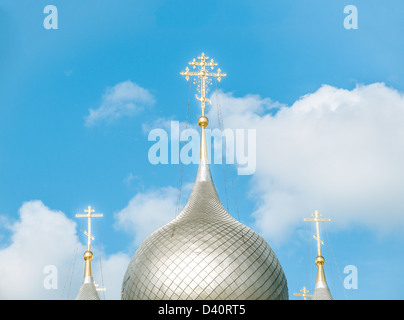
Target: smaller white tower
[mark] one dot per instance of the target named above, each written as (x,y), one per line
(321,291)
(88,289)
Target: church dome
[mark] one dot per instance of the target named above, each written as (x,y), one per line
(204,253)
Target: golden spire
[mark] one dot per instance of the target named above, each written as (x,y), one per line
(203,80)
(319,259)
(88,255)
(304,294)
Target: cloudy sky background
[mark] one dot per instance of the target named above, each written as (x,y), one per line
(78,103)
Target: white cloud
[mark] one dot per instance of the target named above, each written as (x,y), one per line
(124,99)
(113,270)
(339,151)
(146,212)
(41,237)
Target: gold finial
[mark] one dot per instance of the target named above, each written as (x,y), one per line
(304,294)
(203,79)
(319,259)
(88,255)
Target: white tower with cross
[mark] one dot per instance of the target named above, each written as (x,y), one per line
(88,289)
(321,291)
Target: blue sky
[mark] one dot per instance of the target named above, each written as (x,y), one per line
(280,56)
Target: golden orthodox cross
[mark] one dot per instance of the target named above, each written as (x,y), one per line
(89,215)
(203,76)
(316,219)
(304,294)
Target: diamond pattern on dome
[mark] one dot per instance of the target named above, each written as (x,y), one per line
(87,292)
(204,254)
(321,292)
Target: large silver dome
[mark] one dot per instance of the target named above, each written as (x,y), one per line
(204,253)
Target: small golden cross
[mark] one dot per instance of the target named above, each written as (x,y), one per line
(316,219)
(304,294)
(99,289)
(203,75)
(89,215)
